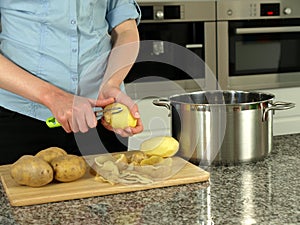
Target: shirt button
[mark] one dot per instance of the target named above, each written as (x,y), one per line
(74,50)
(73,22)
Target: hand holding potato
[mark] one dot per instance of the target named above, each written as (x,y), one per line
(119,120)
(122,122)
(108,91)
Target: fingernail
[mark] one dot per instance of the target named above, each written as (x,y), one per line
(128,130)
(137,115)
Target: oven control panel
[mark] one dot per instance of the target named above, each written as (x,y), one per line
(269,9)
(257,9)
(177,11)
(162,12)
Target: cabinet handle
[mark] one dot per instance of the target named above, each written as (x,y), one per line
(260,30)
(194,45)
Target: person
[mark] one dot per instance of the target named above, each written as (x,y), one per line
(64,59)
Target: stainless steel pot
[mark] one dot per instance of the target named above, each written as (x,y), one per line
(223,127)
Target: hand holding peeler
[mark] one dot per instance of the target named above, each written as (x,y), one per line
(52,122)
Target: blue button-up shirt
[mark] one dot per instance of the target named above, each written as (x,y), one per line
(63,42)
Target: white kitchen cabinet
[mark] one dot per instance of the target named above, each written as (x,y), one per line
(155,120)
(286,121)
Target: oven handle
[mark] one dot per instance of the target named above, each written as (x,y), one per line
(260,30)
(194,45)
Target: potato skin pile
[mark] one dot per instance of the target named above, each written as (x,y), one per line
(47,165)
(153,162)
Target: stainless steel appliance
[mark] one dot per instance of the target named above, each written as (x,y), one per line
(258,43)
(165,25)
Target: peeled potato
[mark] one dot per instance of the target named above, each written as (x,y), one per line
(31,171)
(68,167)
(51,153)
(152,160)
(122,119)
(164,146)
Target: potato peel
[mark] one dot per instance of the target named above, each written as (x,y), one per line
(145,170)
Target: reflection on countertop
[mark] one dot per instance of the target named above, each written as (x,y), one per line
(265,192)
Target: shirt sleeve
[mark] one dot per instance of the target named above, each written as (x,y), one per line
(122,10)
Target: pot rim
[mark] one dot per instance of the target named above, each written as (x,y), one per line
(268,97)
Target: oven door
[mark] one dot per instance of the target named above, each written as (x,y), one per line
(259,53)
(163,42)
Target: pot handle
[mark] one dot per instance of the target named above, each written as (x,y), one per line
(278,106)
(162,102)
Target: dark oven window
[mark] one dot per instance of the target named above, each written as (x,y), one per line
(264,52)
(180,33)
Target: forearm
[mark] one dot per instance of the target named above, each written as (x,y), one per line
(123,55)
(73,112)
(16,80)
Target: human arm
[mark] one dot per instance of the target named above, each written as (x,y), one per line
(125,39)
(63,105)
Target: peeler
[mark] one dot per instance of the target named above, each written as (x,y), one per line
(52,122)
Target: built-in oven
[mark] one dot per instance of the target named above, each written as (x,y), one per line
(258,44)
(177,49)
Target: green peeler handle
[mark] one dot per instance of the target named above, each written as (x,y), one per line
(52,122)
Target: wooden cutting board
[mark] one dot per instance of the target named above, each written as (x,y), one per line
(87,186)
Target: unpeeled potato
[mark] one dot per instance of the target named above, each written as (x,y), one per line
(31,171)
(122,119)
(51,153)
(68,167)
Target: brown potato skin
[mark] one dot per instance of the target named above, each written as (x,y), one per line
(31,171)
(68,167)
(51,153)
